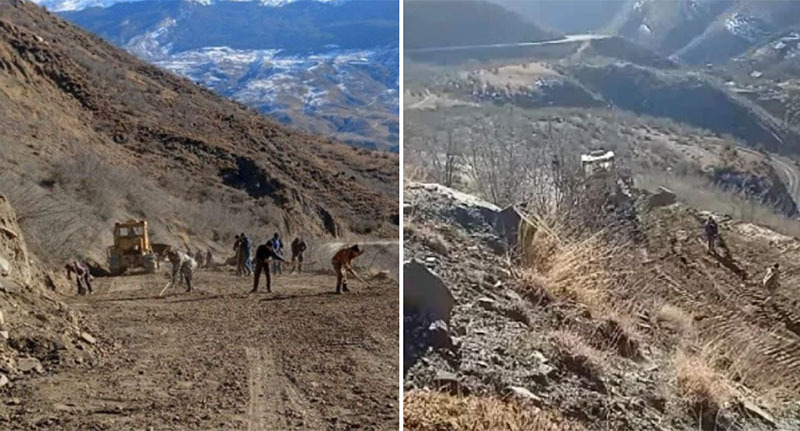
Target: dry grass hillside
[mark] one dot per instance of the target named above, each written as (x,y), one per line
(90,135)
(614,317)
(495,152)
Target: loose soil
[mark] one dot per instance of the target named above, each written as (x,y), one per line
(220,358)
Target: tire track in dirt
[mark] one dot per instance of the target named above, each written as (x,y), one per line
(738,316)
(275,402)
(221,359)
(257,420)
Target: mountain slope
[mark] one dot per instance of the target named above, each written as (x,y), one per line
(70,5)
(101,135)
(567,16)
(328,68)
(438,23)
(297,28)
(701,31)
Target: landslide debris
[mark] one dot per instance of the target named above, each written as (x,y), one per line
(39,334)
(646,333)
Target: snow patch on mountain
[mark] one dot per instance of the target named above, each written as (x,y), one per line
(335,87)
(73,5)
(149,45)
(744,26)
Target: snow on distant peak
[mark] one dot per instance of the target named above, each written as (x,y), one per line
(744,26)
(73,5)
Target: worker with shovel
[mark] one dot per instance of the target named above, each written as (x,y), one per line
(264,253)
(183,266)
(298,249)
(713,238)
(82,276)
(342,264)
(771,280)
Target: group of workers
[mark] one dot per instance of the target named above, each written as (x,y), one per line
(184,265)
(242,248)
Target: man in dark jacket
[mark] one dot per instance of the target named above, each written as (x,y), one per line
(277,247)
(711,229)
(298,249)
(82,276)
(264,253)
(713,238)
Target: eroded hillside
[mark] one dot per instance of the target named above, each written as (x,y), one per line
(630,326)
(90,135)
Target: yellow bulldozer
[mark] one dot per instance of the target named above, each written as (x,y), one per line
(132,248)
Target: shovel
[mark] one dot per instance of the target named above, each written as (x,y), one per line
(164,289)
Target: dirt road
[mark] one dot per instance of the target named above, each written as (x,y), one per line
(222,359)
(786,168)
(790,173)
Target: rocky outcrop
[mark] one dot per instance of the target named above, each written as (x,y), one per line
(425,293)
(468,211)
(767,188)
(38,332)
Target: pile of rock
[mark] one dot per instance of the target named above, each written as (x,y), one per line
(38,332)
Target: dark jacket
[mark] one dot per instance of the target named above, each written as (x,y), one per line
(711,228)
(298,246)
(263,253)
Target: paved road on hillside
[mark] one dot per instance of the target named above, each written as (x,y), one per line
(790,174)
(567,39)
(787,169)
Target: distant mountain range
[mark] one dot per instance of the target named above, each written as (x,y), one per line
(760,32)
(329,67)
(705,31)
(72,5)
(442,23)
(567,16)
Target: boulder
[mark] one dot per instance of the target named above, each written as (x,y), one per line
(523,394)
(445,380)
(30,364)
(85,336)
(3,380)
(486,303)
(753,409)
(425,293)
(471,212)
(664,197)
(507,225)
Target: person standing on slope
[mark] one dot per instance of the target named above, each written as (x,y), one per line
(237,248)
(711,230)
(183,266)
(277,247)
(247,262)
(264,253)
(198,257)
(771,280)
(82,276)
(298,249)
(209,259)
(342,263)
